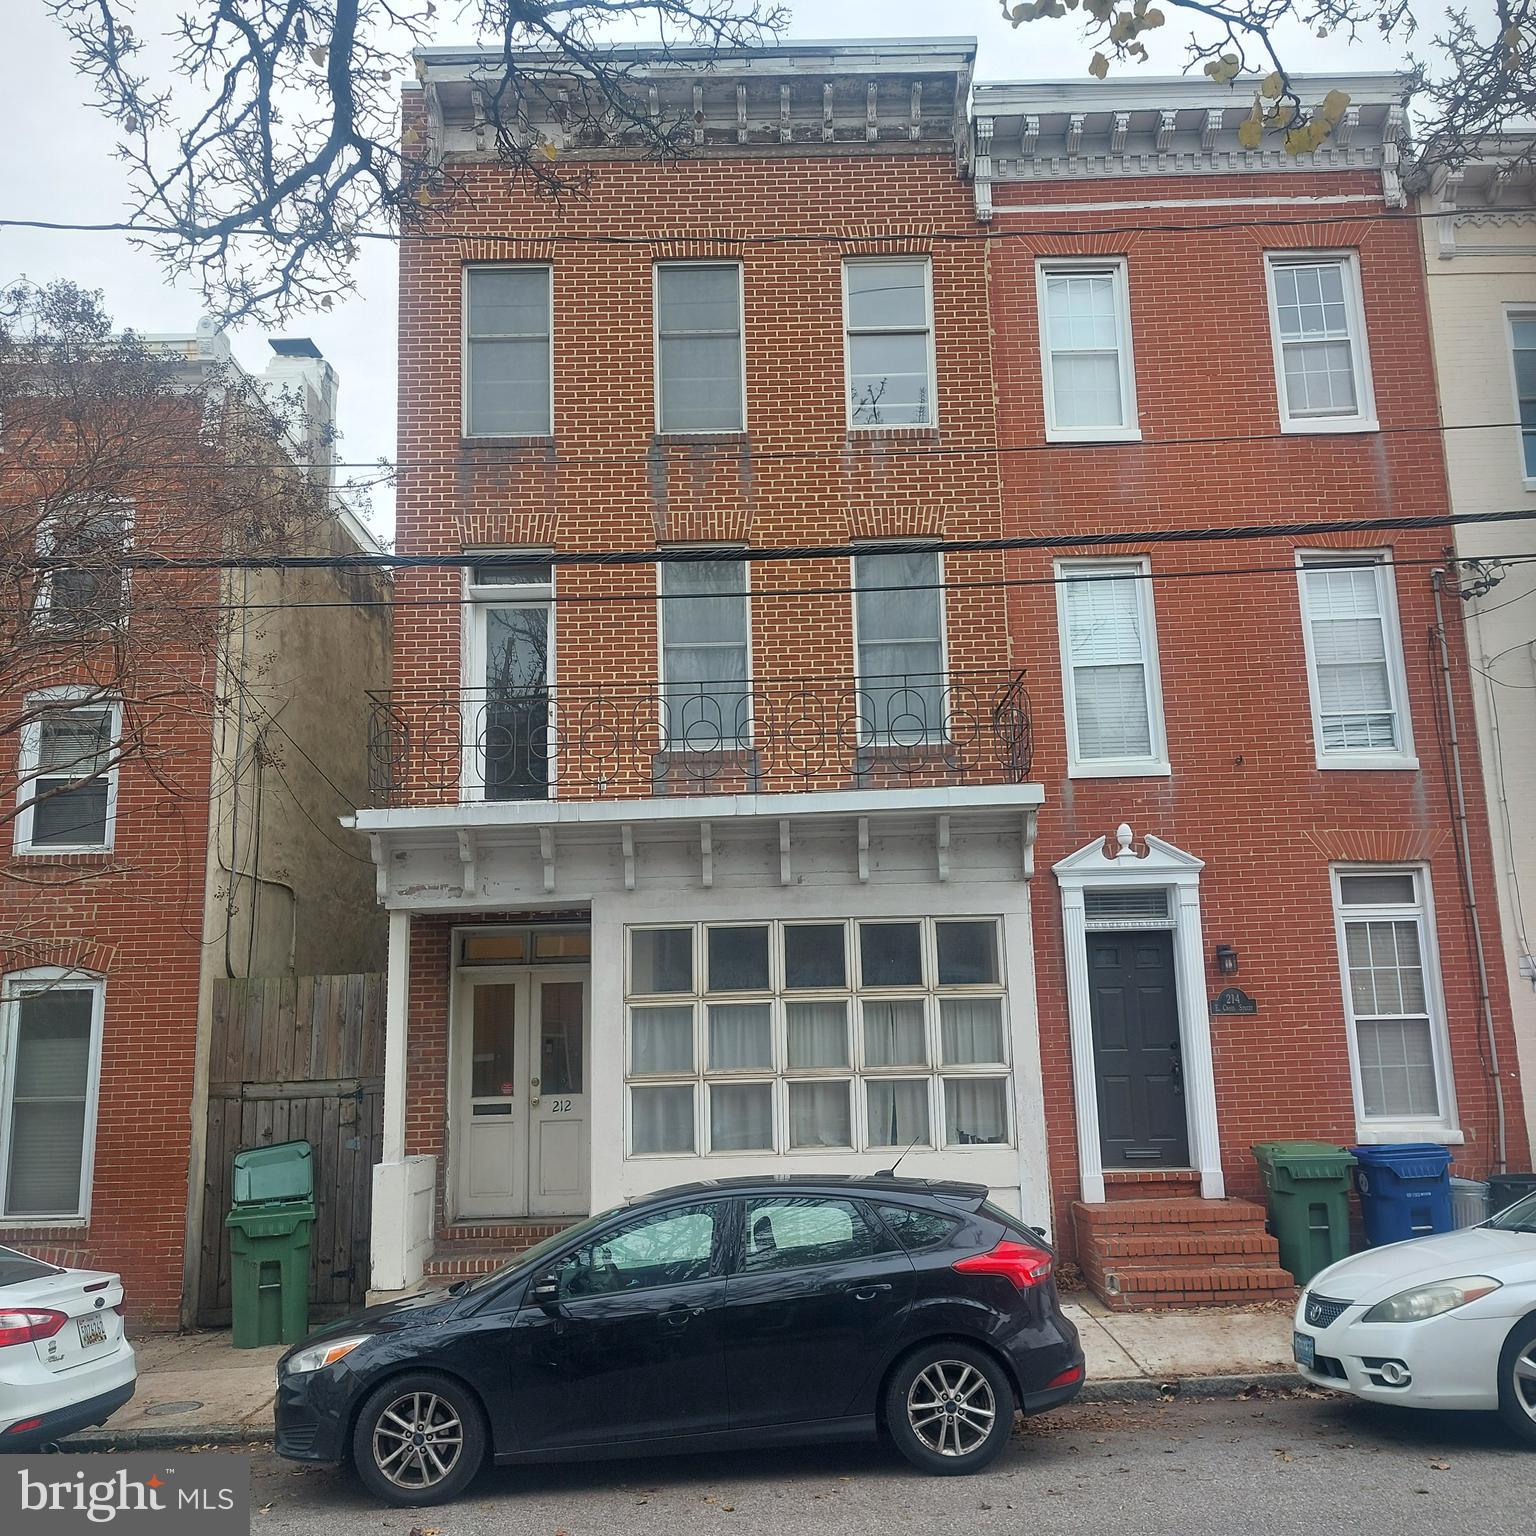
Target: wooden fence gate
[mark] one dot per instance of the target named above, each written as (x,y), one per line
(297,1060)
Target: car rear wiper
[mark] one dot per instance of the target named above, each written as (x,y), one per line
(458,1287)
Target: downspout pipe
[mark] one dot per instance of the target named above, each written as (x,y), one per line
(1437,581)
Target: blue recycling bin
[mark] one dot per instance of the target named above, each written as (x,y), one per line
(1405,1191)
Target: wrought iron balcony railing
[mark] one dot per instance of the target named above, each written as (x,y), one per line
(437,745)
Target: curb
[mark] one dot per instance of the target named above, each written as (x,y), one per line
(1135,1389)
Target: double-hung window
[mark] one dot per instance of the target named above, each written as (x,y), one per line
(84,584)
(1109,669)
(508,732)
(1391,996)
(1522,346)
(898,622)
(67,772)
(888,318)
(1085,333)
(706,699)
(508,357)
(1354,660)
(50,1032)
(817,1035)
(1322,366)
(700,384)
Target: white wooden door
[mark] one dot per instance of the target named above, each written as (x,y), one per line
(559,1131)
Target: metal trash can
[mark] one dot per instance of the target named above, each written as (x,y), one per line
(269,1228)
(1506,1188)
(1469,1203)
(1307,1185)
(1405,1191)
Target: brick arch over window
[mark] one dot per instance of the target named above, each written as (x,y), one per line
(1378,845)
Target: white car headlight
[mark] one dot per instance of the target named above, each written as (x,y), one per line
(1423,1301)
(318,1356)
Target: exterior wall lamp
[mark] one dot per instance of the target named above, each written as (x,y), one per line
(1226,959)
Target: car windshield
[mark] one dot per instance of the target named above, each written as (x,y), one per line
(538,1251)
(1519,1217)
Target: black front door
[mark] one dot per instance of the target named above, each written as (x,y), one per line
(631,1348)
(814,1303)
(1136,1059)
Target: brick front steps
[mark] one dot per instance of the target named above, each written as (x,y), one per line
(1177,1250)
(468,1248)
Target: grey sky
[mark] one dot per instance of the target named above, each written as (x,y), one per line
(59,164)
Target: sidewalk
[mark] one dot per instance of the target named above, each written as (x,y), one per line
(196,1389)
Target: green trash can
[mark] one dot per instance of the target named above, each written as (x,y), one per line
(269,1226)
(1307,1184)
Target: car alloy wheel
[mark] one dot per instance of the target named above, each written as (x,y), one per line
(417,1441)
(951,1408)
(1524,1380)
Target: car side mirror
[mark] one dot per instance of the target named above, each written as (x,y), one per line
(544,1291)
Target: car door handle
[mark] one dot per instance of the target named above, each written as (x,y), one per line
(866,1292)
(677,1316)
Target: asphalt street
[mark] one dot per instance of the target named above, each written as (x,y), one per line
(1267,1464)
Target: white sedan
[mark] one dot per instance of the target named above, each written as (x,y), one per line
(64,1361)
(1438,1322)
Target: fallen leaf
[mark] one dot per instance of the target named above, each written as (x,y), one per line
(1440,1466)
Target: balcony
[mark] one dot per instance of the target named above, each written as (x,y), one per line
(436,746)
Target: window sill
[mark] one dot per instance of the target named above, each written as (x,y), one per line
(469,443)
(89,851)
(1394,762)
(1382,1133)
(44,1223)
(858,434)
(1137,769)
(1089,435)
(725,438)
(1323,426)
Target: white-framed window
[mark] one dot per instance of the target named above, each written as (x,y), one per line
(90,591)
(1317,323)
(1522,357)
(50,1034)
(706,654)
(1109,669)
(701,381)
(508,351)
(1354,648)
(888,341)
(1392,999)
(1085,350)
(815,1035)
(67,773)
(899,647)
(508,726)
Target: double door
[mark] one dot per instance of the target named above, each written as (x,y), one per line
(522,1140)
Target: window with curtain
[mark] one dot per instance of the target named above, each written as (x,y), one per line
(1086,350)
(68,777)
(778,1048)
(1318,321)
(1522,341)
(899,629)
(698,347)
(1390,983)
(706,705)
(507,352)
(1109,667)
(888,314)
(51,1043)
(1354,658)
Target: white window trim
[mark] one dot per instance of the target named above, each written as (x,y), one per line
(1364,418)
(741,347)
(478,598)
(1401,757)
(15,986)
(867,739)
(1116,267)
(1444,1127)
(1512,313)
(733,552)
(29,752)
(464,371)
(933,359)
(1155,764)
(42,596)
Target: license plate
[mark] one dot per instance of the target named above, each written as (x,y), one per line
(1304,1346)
(93,1330)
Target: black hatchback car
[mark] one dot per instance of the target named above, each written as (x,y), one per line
(744,1313)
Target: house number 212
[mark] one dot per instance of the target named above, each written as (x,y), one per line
(560,1106)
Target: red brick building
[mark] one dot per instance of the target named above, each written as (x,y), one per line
(731,863)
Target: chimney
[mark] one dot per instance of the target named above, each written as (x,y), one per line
(299,367)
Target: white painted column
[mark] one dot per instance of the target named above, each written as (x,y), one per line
(1195,1030)
(396,1032)
(1085,1085)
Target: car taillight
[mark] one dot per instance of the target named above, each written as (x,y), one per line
(24,1325)
(1021,1263)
